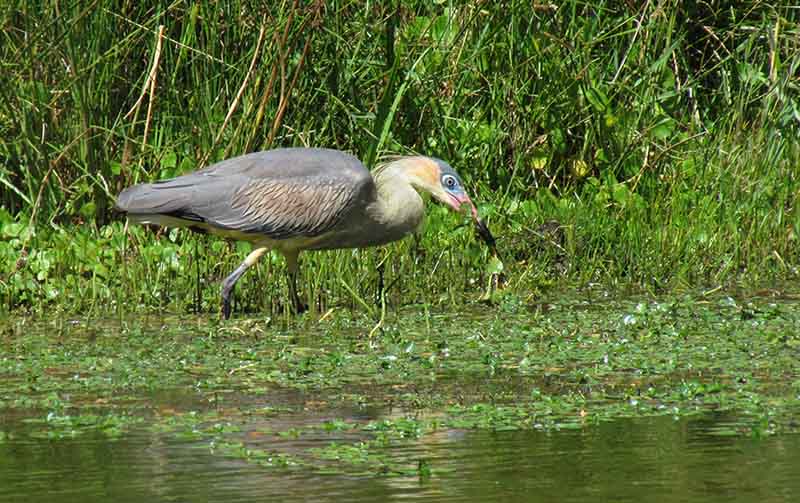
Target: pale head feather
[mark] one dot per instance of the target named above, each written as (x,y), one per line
(420,171)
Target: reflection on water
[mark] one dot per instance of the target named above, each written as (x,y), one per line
(706,457)
(651,459)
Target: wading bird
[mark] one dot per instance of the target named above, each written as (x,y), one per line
(297,199)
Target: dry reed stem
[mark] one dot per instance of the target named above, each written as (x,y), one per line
(153,76)
(235,103)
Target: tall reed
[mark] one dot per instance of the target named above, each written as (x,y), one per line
(661,138)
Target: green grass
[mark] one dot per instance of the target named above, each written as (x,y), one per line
(660,137)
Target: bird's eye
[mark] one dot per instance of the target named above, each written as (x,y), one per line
(449,181)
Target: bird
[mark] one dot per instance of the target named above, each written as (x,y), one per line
(297,199)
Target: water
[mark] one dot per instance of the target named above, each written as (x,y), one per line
(688,402)
(650,459)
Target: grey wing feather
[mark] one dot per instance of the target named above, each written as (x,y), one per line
(279,193)
(285,209)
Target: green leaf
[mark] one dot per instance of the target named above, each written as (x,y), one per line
(11,230)
(88,210)
(664,128)
(170,160)
(495,265)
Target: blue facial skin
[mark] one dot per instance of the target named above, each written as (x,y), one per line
(449,178)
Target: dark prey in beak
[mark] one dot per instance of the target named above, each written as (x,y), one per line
(485,234)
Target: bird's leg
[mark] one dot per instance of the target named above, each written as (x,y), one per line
(230,281)
(292,267)
(379,294)
(419,251)
(381,301)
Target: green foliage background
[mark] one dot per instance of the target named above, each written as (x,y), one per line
(651,144)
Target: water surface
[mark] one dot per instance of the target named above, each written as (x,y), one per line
(636,400)
(655,459)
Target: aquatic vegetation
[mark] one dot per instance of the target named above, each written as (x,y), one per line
(276,395)
(636,162)
(55,427)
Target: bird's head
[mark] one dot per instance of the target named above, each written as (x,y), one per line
(440,180)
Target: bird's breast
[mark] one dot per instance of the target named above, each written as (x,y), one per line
(373,225)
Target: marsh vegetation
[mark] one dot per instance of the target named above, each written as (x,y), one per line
(649,146)
(637,162)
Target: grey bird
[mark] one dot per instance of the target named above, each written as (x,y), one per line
(296,199)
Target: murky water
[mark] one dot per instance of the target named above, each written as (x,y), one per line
(656,459)
(666,401)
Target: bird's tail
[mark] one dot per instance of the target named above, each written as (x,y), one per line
(157,203)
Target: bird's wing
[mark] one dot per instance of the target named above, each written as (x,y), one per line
(287,208)
(280,193)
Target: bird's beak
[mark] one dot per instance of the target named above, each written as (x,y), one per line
(457,202)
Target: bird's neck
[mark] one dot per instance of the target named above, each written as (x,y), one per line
(398,208)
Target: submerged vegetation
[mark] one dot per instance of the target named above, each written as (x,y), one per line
(318,395)
(644,144)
